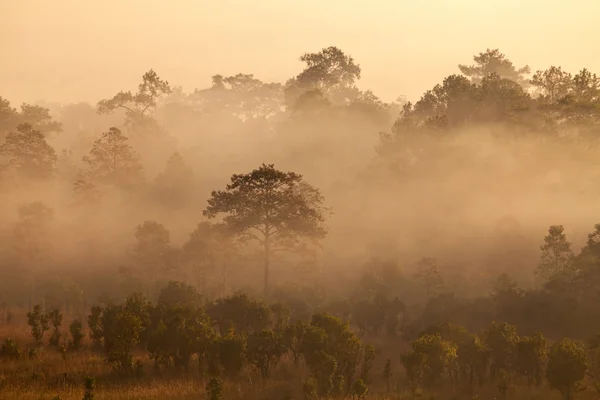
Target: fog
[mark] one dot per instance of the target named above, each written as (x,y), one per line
(477,195)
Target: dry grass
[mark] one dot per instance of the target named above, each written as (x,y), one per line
(49,375)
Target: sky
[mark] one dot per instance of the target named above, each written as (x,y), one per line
(85,50)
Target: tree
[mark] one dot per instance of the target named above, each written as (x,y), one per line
(138,106)
(328,68)
(152,253)
(76,330)
(557,256)
(264,350)
(242,96)
(277,209)
(55,317)
(38,321)
(430,358)
(429,274)
(554,83)
(27,151)
(329,71)
(210,248)
(451,102)
(121,330)
(177,332)
(531,357)
(9,117)
(567,365)
(36,116)
(493,61)
(39,118)
(501,339)
(174,187)
(112,161)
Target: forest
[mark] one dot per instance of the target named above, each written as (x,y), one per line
(305,239)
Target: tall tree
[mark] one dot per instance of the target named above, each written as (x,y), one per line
(27,151)
(141,104)
(493,61)
(277,209)
(557,256)
(113,161)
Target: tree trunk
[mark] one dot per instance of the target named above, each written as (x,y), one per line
(267,264)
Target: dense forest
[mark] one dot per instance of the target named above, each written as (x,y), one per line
(305,239)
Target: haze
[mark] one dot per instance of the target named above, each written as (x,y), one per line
(69,50)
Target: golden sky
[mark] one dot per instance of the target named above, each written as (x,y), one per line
(71,50)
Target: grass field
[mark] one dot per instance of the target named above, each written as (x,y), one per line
(53,375)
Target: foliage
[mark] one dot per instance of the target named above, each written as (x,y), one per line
(152,252)
(138,106)
(429,274)
(240,313)
(10,349)
(27,151)
(55,317)
(557,256)
(112,161)
(531,357)
(275,208)
(431,357)
(359,389)
(76,330)
(265,349)
(567,365)
(38,321)
(501,339)
(493,61)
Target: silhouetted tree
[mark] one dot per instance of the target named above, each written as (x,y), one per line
(493,61)
(567,364)
(27,151)
(112,161)
(277,209)
(138,106)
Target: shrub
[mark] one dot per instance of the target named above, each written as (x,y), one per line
(76,330)
(10,349)
(38,322)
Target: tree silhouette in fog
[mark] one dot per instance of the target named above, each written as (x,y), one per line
(277,209)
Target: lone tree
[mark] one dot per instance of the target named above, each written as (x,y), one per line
(277,209)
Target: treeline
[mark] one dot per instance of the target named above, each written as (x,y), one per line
(220,340)
(223,338)
(121,168)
